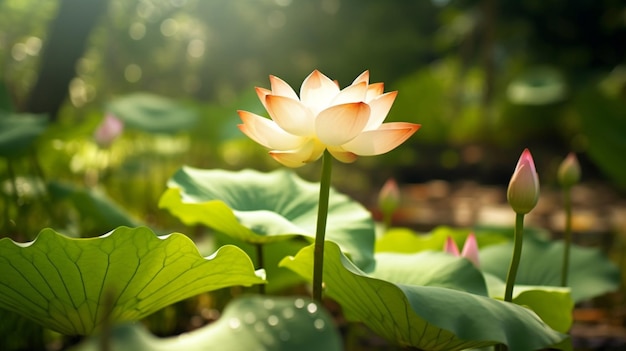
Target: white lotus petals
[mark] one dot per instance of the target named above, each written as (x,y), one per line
(347,122)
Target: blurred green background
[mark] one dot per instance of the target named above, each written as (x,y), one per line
(484,78)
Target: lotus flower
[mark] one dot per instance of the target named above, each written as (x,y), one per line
(389,196)
(108,130)
(569,171)
(470,249)
(523,191)
(347,122)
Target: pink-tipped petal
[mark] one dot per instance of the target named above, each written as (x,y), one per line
(362,78)
(353,93)
(267,133)
(280,87)
(339,124)
(262,93)
(342,155)
(373,91)
(384,139)
(470,250)
(450,247)
(526,158)
(318,91)
(290,115)
(380,108)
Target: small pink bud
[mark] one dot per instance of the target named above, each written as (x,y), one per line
(470,249)
(389,196)
(523,191)
(109,129)
(450,247)
(569,171)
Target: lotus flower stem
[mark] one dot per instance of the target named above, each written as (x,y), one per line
(260,264)
(567,235)
(568,175)
(320,231)
(517,254)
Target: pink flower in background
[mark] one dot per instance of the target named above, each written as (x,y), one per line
(470,249)
(347,122)
(389,196)
(108,130)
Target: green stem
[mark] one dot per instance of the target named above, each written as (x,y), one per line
(517,254)
(567,234)
(387,215)
(260,264)
(320,231)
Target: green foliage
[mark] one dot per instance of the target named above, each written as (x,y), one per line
(152,113)
(590,273)
(405,240)
(97,211)
(445,99)
(425,317)
(429,268)
(19,131)
(74,285)
(250,323)
(552,304)
(259,208)
(603,122)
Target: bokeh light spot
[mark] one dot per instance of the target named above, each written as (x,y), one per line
(137,30)
(33,45)
(195,48)
(169,27)
(18,52)
(132,73)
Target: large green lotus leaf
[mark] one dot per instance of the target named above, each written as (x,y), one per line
(152,113)
(552,304)
(18,132)
(425,317)
(590,272)
(261,207)
(430,268)
(249,323)
(219,216)
(404,240)
(70,285)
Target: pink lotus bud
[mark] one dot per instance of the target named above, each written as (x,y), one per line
(450,247)
(523,191)
(389,196)
(109,129)
(470,249)
(569,171)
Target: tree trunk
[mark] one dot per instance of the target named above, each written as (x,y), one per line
(64,46)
